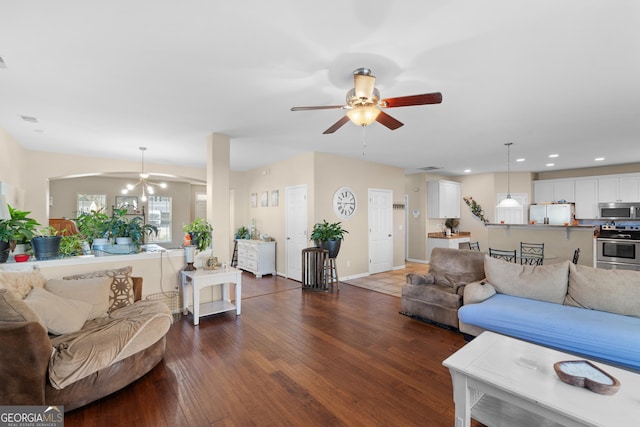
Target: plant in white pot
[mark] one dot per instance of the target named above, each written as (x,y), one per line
(328,236)
(129,231)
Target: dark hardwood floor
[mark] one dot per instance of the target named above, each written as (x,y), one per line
(293,358)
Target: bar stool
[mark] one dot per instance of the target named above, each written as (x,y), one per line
(331,273)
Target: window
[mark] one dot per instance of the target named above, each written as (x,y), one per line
(91,202)
(160,216)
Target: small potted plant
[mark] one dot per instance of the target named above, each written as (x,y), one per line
(129,230)
(46,244)
(328,236)
(19,228)
(200,232)
(243,233)
(93,225)
(72,245)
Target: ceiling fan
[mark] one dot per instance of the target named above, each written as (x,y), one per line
(364,103)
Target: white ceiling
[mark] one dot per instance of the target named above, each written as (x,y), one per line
(105,77)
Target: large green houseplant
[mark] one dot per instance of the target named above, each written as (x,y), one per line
(134,228)
(328,236)
(200,232)
(18,228)
(93,225)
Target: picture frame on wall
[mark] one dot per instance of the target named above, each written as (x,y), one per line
(264,199)
(275,198)
(253,200)
(130,203)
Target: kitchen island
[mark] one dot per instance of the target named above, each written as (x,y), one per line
(560,241)
(441,240)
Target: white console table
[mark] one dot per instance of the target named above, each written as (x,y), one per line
(499,380)
(200,279)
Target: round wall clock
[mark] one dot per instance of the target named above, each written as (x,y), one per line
(344,202)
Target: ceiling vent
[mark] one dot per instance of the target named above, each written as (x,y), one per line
(29,119)
(2,63)
(430,168)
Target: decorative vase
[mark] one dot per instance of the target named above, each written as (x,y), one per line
(333,246)
(4,251)
(46,247)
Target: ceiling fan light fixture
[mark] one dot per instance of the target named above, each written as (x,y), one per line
(363,115)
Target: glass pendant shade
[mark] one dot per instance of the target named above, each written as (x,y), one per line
(363,115)
(508,202)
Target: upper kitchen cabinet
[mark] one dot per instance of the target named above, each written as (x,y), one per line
(443,199)
(619,188)
(586,192)
(553,190)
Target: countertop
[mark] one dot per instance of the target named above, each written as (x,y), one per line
(459,235)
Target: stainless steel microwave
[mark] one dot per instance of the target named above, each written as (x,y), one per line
(619,211)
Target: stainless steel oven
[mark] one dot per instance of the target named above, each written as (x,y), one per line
(618,247)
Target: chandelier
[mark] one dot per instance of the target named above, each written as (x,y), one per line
(144,183)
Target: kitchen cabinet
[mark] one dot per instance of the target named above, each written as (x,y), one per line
(586,192)
(619,188)
(553,190)
(257,257)
(443,199)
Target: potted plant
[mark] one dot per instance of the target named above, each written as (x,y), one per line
(93,225)
(200,232)
(72,245)
(243,233)
(19,228)
(131,229)
(328,236)
(46,244)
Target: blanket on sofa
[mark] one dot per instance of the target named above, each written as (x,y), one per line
(104,341)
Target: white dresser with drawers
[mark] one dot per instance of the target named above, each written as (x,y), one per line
(257,257)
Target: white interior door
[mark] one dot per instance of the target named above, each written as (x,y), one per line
(380,230)
(296,229)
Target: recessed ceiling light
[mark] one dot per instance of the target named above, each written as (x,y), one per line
(599,159)
(522,159)
(467,170)
(550,164)
(553,156)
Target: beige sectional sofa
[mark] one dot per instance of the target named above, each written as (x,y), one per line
(68,342)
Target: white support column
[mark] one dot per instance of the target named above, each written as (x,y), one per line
(218,198)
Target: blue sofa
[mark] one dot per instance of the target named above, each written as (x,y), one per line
(590,312)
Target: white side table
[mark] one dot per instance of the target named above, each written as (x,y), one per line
(200,279)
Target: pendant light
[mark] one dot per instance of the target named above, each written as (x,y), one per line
(508,202)
(145,184)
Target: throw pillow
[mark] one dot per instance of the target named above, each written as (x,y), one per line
(95,291)
(615,291)
(14,309)
(21,282)
(540,282)
(121,287)
(60,315)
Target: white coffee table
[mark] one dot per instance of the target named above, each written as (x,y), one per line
(501,381)
(200,279)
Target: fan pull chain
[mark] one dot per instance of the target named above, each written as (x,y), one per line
(364,140)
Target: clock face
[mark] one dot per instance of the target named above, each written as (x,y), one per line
(344,202)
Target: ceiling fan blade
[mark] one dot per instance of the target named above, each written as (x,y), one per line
(337,125)
(407,101)
(363,85)
(320,107)
(388,121)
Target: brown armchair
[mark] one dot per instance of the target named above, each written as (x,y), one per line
(437,295)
